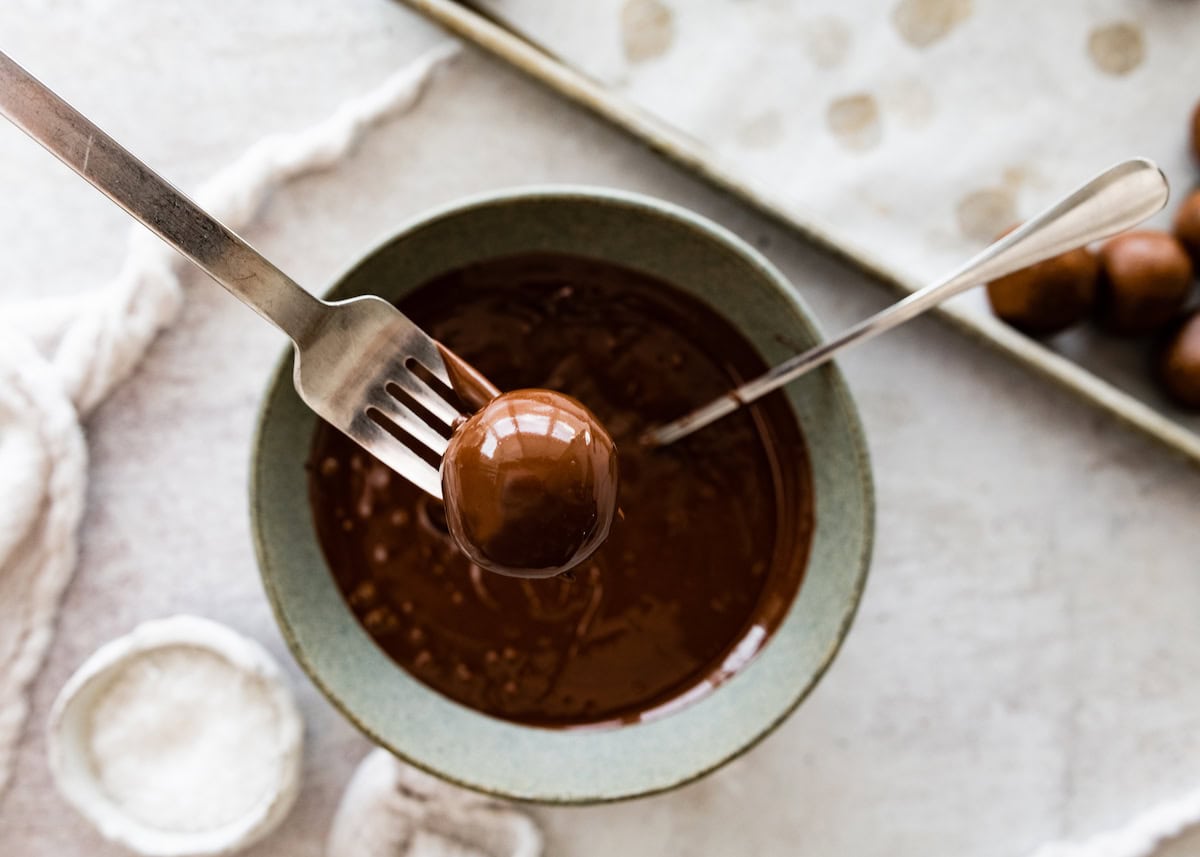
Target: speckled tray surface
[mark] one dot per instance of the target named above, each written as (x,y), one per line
(900,135)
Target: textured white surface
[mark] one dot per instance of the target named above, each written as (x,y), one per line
(1023,664)
(913,130)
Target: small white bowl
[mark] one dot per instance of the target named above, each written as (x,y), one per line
(69,731)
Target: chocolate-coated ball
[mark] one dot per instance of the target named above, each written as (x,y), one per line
(1179,364)
(1187,226)
(1196,133)
(1049,296)
(530,484)
(1145,279)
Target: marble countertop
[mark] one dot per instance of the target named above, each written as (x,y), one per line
(1023,664)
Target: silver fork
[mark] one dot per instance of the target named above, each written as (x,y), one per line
(354,360)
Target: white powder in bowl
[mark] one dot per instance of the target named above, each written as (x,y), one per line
(182,740)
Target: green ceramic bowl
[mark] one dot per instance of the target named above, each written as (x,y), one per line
(574,766)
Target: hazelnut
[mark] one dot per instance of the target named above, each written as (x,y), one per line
(1145,279)
(1196,133)
(1179,364)
(1187,226)
(1049,296)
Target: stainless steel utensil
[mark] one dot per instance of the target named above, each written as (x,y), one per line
(1120,197)
(355,359)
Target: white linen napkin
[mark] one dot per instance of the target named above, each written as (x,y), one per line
(390,809)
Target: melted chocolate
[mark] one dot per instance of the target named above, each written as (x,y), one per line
(530,484)
(698,569)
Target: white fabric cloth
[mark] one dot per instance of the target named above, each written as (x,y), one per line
(60,358)
(1139,837)
(392,810)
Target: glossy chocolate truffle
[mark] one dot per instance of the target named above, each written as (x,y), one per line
(1145,279)
(530,484)
(1179,364)
(1047,297)
(1196,133)
(1187,226)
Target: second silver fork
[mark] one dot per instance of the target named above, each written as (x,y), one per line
(360,364)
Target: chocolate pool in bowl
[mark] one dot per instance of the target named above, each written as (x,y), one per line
(695,574)
(696,627)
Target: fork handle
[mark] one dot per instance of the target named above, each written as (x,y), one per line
(1120,197)
(159,206)
(1117,199)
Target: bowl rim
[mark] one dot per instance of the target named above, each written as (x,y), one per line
(711,230)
